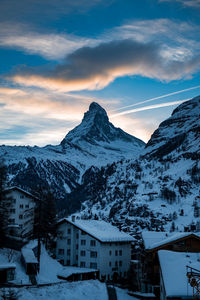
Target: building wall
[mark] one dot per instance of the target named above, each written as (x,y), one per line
(76,248)
(21,211)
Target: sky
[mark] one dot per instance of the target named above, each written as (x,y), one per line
(138,59)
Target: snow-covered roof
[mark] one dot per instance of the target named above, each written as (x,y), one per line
(154,239)
(174,272)
(20,190)
(100,230)
(29,256)
(7,266)
(68,271)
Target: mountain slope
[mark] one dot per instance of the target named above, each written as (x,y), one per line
(95,142)
(158,188)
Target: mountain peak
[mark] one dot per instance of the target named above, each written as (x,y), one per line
(95,106)
(95,128)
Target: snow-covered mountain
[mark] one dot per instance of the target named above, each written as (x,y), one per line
(95,142)
(161,188)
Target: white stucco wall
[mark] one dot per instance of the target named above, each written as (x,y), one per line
(104,256)
(17,199)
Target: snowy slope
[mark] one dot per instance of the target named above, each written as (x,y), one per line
(95,142)
(160,187)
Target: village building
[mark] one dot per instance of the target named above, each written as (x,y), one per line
(94,244)
(174,283)
(155,241)
(20,206)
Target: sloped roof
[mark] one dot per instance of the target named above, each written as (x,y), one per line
(174,271)
(29,256)
(153,239)
(20,190)
(100,230)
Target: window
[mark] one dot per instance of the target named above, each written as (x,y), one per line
(93,265)
(68,241)
(22,196)
(77,235)
(76,246)
(120,252)
(69,230)
(83,242)
(21,206)
(116,252)
(11,221)
(76,257)
(82,264)
(12,210)
(116,264)
(93,254)
(68,252)
(27,205)
(110,264)
(20,216)
(93,243)
(68,262)
(83,233)
(82,253)
(60,251)
(110,252)
(120,263)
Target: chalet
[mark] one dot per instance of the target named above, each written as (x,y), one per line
(94,244)
(155,241)
(20,206)
(174,283)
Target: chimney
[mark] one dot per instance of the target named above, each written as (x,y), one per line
(73,218)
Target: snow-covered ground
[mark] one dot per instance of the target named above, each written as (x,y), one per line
(83,290)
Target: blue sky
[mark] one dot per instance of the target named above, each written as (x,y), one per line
(59,56)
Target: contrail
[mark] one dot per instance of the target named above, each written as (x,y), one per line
(159,97)
(148,107)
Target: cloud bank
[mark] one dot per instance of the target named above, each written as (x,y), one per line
(94,68)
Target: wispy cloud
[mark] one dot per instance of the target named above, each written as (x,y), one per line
(186,3)
(30,116)
(148,107)
(51,46)
(159,97)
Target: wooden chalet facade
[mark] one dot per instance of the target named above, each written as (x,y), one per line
(178,242)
